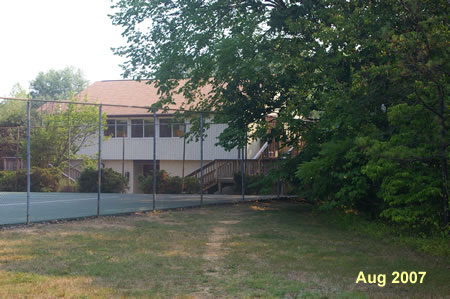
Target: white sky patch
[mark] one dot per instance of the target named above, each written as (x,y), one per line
(52,34)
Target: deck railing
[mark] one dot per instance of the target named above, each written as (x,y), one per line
(218,171)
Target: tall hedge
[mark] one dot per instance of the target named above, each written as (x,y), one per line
(112,181)
(42,180)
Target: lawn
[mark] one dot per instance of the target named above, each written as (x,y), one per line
(266,249)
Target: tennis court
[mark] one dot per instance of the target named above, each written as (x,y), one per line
(56,206)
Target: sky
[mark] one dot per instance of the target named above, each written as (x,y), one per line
(39,35)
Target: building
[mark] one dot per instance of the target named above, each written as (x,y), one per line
(129,150)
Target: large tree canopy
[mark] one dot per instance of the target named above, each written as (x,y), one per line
(13,118)
(363,83)
(58,84)
(234,46)
(13,113)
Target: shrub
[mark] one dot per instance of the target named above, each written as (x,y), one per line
(8,181)
(42,180)
(88,180)
(112,181)
(191,185)
(257,184)
(146,182)
(166,184)
(173,185)
(45,179)
(66,186)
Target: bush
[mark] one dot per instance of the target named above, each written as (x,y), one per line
(168,184)
(257,184)
(112,181)
(172,185)
(42,180)
(45,179)
(66,186)
(146,182)
(191,185)
(8,181)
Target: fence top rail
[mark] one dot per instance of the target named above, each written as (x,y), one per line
(109,105)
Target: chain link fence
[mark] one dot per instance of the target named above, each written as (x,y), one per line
(64,160)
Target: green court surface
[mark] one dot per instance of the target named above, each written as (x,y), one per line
(56,206)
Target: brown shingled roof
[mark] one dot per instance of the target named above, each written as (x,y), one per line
(126,92)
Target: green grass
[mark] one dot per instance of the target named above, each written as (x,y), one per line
(270,250)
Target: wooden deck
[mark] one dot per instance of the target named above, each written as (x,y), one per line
(12,163)
(219,172)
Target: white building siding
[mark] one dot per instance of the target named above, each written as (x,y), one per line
(169,153)
(167,148)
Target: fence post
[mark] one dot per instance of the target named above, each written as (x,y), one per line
(184,157)
(242,173)
(245,154)
(278,171)
(99,190)
(68,158)
(17,159)
(123,160)
(28,162)
(201,159)
(154,159)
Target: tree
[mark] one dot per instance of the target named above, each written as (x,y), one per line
(13,113)
(340,75)
(217,43)
(13,118)
(57,84)
(18,91)
(58,132)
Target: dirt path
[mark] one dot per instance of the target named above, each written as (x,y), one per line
(214,253)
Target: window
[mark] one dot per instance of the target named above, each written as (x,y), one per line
(141,128)
(169,129)
(116,128)
(110,128)
(121,128)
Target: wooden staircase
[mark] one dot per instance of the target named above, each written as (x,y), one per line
(219,172)
(72,173)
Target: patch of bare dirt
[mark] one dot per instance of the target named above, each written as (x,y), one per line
(229,222)
(110,225)
(213,254)
(215,240)
(203,294)
(264,206)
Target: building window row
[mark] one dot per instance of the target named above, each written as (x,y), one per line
(143,128)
